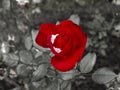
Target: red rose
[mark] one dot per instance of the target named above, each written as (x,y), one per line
(66,41)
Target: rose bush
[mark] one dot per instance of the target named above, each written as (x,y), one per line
(66,40)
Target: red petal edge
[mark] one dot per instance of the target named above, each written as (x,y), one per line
(45,29)
(63,64)
(68,63)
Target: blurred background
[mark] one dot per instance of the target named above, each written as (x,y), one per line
(100,19)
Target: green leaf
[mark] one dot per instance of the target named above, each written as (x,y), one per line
(116,2)
(28,42)
(44,58)
(68,75)
(40,72)
(117,86)
(24,70)
(87,63)
(11,59)
(75,18)
(55,85)
(103,75)
(34,34)
(26,57)
(41,83)
(66,85)
(118,77)
(51,73)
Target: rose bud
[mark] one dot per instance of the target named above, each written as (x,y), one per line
(66,40)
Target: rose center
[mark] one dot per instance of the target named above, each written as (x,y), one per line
(61,44)
(53,37)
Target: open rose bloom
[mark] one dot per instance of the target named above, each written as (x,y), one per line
(66,40)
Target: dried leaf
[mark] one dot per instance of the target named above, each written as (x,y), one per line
(103,75)
(87,63)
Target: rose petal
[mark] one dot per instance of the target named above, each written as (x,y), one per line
(58,50)
(60,41)
(45,29)
(67,63)
(53,38)
(63,64)
(67,48)
(78,36)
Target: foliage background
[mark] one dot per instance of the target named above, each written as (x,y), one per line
(98,18)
